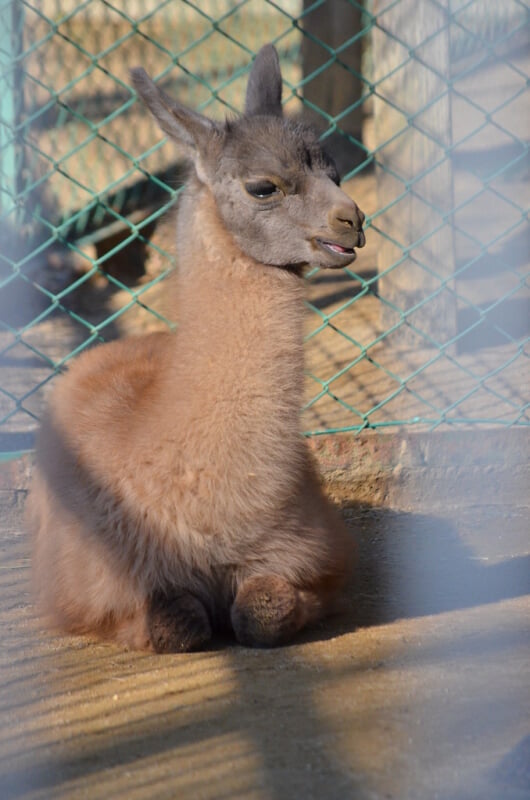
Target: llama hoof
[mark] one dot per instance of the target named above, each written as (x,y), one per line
(178,624)
(266,612)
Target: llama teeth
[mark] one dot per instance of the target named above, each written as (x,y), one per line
(335,247)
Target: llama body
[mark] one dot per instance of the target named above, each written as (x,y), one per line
(174,494)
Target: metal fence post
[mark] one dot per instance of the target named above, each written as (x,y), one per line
(11,28)
(338,86)
(414,177)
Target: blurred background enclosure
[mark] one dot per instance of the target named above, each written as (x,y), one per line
(424,105)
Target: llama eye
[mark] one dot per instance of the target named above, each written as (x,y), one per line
(262,190)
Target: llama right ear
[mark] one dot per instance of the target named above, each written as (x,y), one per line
(185,126)
(264,89)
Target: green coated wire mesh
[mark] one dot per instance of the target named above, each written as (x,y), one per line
(424,104)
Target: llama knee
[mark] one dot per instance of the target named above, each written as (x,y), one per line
(177,623)
(268,611)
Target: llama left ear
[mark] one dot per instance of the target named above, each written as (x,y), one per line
(190,129)
(264,89)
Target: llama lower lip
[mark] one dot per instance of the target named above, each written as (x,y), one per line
(334,247)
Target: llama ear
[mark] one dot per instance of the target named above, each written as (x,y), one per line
(185,126)
(264,89)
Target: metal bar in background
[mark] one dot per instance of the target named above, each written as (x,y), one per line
(11,101)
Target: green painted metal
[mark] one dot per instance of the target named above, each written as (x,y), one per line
(11,25)
(78,165)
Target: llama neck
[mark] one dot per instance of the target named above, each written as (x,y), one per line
(240,325)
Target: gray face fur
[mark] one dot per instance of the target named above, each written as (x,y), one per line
(276,190)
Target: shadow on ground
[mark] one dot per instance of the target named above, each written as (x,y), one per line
(414,565)
(410,566)
(356,708)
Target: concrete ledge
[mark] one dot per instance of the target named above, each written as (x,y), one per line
(425,470)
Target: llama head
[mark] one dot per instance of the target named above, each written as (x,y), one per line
(276,190)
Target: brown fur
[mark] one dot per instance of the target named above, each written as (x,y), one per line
(173,493)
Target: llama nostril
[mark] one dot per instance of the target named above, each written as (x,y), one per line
(347,216)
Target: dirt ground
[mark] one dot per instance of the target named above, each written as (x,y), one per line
(418,689)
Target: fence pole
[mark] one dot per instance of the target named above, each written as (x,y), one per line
(414,178)
(11,27)
(338,86)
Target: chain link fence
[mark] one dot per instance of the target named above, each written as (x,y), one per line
(424,104)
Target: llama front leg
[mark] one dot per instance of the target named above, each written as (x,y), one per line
(268,611)
(177,623)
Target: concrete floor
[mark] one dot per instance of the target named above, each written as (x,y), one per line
(419,689)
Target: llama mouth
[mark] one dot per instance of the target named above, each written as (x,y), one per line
(335,248)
